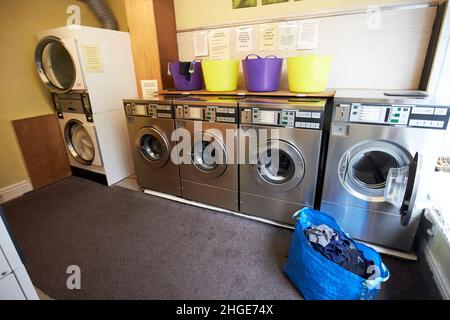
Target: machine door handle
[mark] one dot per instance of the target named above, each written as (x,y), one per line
(406,209)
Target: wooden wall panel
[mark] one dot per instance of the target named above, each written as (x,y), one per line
(167,37)
(43,149)
(152,29)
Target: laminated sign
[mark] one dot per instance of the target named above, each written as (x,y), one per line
(268,37)
(219,44)
(244,39)
(308,34)
(92,59)
(149,89)
(287,35)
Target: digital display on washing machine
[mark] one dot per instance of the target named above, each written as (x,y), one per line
(140,110)
(195,113)
(266,117)
(396,115)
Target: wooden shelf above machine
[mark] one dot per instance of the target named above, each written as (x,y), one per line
(243,93)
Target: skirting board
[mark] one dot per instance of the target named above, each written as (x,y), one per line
(439,276)
(15,191)
(386,251)
(392,252)
(208,207)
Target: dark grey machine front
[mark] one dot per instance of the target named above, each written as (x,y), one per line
(150,126)
(373,139)
(210,173)
(280,172)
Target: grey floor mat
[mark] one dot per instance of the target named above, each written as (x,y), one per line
(134,246)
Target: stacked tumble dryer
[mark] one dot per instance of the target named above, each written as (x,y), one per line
(89,71)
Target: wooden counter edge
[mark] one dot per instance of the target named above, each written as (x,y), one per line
(243,93)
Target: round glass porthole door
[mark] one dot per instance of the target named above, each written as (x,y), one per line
(281,166)
(79,142)
(364,169)
(371,168)
(153,147)
(55,65)
(209,155)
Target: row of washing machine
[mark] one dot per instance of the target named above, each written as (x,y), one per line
(371,175)
(366,159)
(257,156)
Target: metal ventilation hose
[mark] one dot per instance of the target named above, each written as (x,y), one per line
(103,13)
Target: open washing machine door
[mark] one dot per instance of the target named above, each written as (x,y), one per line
(401,188)
(380,171)
(58,64)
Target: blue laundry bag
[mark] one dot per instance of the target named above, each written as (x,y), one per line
(318,278)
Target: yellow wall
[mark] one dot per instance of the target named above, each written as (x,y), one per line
(22,94)
(199,13)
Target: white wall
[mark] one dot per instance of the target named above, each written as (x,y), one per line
(201,13)
(389,58)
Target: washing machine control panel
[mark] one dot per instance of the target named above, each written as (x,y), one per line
(380,114)
(303,119)
(149,110)
(394,115)
(206,113)
(72,102)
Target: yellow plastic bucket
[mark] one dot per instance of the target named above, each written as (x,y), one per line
(221,75)
(308,74)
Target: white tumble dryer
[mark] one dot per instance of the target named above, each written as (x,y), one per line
(95,145)
(80,137)
(95,61)
(89,71)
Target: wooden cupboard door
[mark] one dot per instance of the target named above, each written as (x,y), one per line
(153,34)
(43,149)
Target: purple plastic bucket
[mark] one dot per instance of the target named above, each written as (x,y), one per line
(180,81)
(262,74)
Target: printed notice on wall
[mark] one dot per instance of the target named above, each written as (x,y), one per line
(287,35)
(201,44)
(244,39)
(308,34)
(149,88)
(92,59)
(219,44)
(268,37)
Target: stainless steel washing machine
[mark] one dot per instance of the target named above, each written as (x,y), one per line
(150,127)
(381,156)
(279,173)
(209,171)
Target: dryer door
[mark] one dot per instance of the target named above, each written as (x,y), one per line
(57,63)
(153,147)
(209,156)
(81,143)
(281,166)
